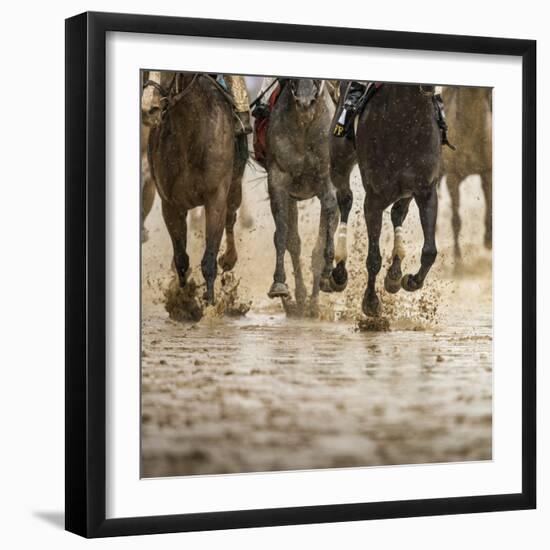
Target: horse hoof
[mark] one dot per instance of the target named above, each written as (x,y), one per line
(338,278)
(325,284)
(144,235)
(313,309)
(409,283)
(209,299)
(371,307)
(226,264)
(279,290)
(392,285)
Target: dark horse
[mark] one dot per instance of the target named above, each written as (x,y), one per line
(298,168)
(398,148)
(195,161)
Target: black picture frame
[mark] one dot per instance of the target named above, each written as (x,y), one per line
(86,274)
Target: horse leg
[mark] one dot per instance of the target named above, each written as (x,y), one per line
(373,217)
(453,185)
(147,199)
(487,186)
(147,195)
(294,247)
(215,211)
(427,208)
(329,221)
(228,259)
(399,211)
(317,264)
(344,196)
(279,200)
(176,223)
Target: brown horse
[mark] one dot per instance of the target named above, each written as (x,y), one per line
(196,161)
(469,114)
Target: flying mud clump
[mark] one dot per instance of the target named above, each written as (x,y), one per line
(188,304)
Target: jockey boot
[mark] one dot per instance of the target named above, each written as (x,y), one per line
(242,123)
(355,92)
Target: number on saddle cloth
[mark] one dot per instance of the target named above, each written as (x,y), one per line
(357,97)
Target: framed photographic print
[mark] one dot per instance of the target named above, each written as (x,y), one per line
(300,274)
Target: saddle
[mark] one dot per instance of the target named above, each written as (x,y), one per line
(170,96)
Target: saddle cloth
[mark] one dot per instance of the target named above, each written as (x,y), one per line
(260,129)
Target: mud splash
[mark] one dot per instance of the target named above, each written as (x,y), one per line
(262,391)
(187,303)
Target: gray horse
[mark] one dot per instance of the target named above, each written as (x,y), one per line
(298,169)
(398,148)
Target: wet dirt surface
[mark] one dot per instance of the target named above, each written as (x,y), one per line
(264,392)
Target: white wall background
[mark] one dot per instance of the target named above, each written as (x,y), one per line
(32,272)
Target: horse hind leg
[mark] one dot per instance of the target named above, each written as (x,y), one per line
(294,247)
(318,264)
(279,201)
(329,219)
(427,207)
(453,185)
(399,211)
(373,217)
(215,217)
(147,199)
(228,259)
(344,195)
(176,223)
(487,186)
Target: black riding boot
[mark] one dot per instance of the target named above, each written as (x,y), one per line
(355,91)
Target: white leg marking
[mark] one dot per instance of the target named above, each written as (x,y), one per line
(341,250)
(398,243)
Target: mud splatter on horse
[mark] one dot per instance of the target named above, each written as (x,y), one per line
(398,147)
(196,161)
(298,169)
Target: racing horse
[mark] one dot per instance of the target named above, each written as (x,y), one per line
(469,113)
(297,163)
(397,145)
(196,160)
